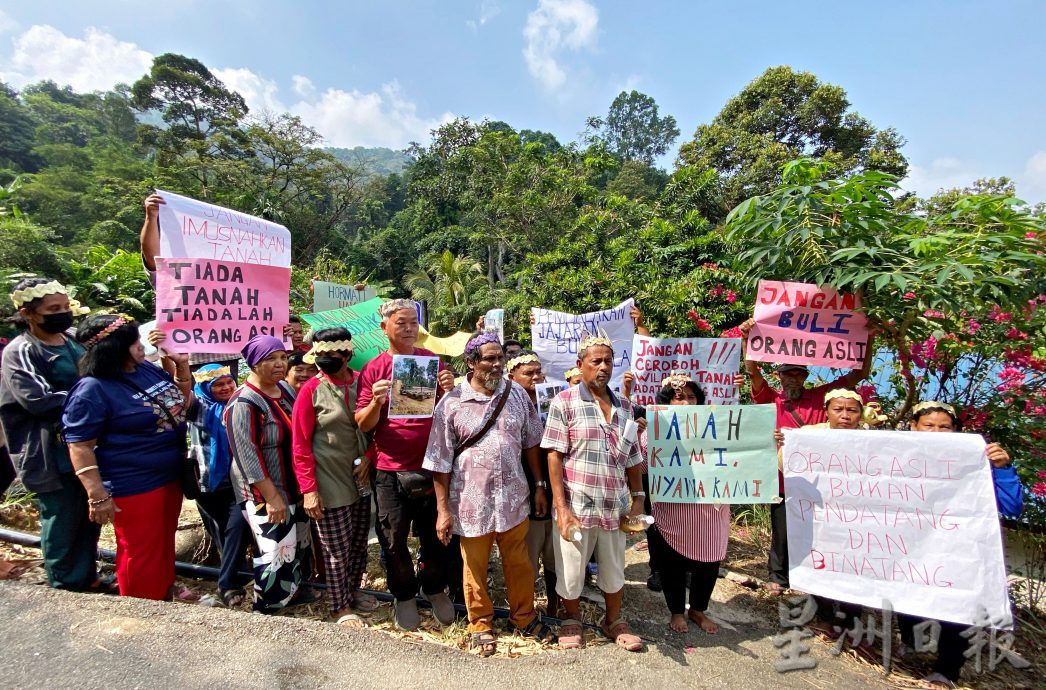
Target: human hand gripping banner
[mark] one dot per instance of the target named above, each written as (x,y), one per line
(898,516)
(556,335)
(191,228)
(712,454)
(215,307)
(710,362)
(800,323)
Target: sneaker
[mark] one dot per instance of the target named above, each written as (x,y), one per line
(442,607)
(653,583)
(406,615)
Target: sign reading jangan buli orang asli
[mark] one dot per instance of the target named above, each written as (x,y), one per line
(210,306)
(901,517)
(710,362)
(712,454)
(800,323)
(192,228)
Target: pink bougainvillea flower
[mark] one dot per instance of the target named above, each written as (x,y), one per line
(1039,489)
(1014,334)
(731,296)
(909,295)
(1030,235)
(702,325)
(734,332)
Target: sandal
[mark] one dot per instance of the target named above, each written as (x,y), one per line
(538,631)
(232,598)
(773,588)
(179,593)
(364,603)
(485,642)
(571,635)
(622,635)
(351,620)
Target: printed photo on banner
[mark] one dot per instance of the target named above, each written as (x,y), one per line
(896,516)
(712,454)
(494,322)
(556,335)
(413,391)
(215,307)
(801,323)
(546,393)
(196,229)
(327,296)
(363,322)
(710,362)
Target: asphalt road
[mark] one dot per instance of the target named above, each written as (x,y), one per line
(57,639)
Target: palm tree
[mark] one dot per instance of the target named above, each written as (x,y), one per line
(452,286)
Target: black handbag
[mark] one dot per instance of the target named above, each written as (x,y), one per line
(190,471)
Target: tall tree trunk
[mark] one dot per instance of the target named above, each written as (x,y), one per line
(490,267)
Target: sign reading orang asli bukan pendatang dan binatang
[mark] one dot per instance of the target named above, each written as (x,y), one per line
(800,323)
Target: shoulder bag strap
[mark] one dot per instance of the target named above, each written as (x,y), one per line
(790,409)
(476,437)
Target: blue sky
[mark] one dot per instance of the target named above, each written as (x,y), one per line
(962,81)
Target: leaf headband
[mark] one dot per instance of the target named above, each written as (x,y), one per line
(121,320)
(934,405)
(843,393)
(205,375)
(20,297)
(588,340)
(571,373)
(520,360)
(327,346)
(678,380)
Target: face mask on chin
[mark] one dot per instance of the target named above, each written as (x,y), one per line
(57,323)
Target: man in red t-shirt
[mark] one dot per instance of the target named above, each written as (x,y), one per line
(404,495)
(797,406)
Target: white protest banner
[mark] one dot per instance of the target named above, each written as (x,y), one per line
(215,307)
(556,334)
(198,230)
(710,454)
(800,323)
(327,296)
(899,516)
(711,363)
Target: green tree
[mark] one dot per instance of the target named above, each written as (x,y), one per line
(17,133)
(780,116)
(633,130)
(454,288)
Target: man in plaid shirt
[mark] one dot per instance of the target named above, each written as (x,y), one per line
(595,469)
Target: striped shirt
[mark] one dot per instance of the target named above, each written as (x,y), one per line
(259,429)
(596,454)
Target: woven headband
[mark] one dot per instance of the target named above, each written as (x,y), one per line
(121,320)
(520,360)
(593,339)
(571,373)
(327,346)
(389,308)
(934,405)
(20,297)
(843,393)
(205,375)
(678,380)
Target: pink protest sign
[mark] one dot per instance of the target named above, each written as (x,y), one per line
(210,306)
(800,323)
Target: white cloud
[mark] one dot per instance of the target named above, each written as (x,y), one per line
(488,9)
(941,173)
(1031,186)
(555,26)
(379,118)
(303,86)
(95,62)
(259,92)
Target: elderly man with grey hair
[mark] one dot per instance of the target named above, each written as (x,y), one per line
(403,491)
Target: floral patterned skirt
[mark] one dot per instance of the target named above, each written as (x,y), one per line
(284,555)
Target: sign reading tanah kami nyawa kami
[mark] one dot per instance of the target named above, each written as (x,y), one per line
(196,229)
(800,323)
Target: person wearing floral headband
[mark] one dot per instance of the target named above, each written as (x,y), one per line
(124,422)
(404,494)
(39,368)
(934,416)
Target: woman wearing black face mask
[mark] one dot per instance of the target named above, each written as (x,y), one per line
(326,442)
(39,367)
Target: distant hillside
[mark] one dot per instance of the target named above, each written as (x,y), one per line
(376,161)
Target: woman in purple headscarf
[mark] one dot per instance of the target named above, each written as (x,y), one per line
(258,423)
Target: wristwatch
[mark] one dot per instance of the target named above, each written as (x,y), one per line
(541,484)
(638,494)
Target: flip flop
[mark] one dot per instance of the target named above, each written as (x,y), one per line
(622,635)
(351,620)
(364,603)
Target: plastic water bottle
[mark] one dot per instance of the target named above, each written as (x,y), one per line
(637,523)
(362,485)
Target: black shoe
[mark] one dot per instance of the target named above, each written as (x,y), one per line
(653,583)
